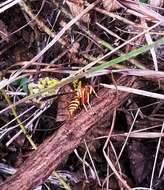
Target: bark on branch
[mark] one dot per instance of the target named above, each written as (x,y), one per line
(53,150)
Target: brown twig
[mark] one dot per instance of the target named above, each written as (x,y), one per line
(53,150)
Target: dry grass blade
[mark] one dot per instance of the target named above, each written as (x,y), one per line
(135,91)
(124,183)
(8,4)
(141,10)
(53,65)
(23,129)
(3,31)
(55,39)
(155,160)
(129,133)
(139,72)
(65,28)
(144,135)
(85,163)
(92,162)
(152,50)
(54,149)
(40,23)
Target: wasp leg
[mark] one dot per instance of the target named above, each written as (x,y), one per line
(88,100)
(85,107)
(89,105)
(94,92)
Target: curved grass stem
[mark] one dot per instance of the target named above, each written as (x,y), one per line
(13,109)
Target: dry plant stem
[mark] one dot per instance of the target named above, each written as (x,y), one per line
(126,140)
(65,28)
(62,181)
(156,156)
(53,150)
(52,42)
(7,4)
(80,72)
(135,91)
(28,23)
(114,16)
(92,162)
(88,66)
(124,183)
(19,121)
(100,42)
(39,22)
(149,41)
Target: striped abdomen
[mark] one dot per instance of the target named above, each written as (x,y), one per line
(74,105)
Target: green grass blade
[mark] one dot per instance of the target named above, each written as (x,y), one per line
(127,56)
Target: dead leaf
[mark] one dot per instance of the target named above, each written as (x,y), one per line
(110,5)
(76,7)
(75,47)
(79,2)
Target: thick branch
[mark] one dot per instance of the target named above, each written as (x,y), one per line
(53,150)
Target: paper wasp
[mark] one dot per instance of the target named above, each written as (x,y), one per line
(81,89)
(83,93)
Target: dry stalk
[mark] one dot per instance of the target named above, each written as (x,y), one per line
(56,148)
